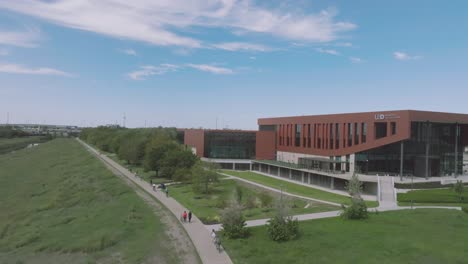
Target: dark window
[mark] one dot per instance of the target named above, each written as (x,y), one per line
(393,126)
(350,134)
(356,135)
(297,141)
(309,136)
(319,136)
(380,129)
(363,132)
(337,135)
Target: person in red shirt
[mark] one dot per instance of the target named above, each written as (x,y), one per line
(184,215)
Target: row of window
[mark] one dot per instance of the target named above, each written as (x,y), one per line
(322,136)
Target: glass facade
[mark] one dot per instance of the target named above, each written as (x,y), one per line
(230,145)
(430,150)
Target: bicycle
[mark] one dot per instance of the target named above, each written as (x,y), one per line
(217,243)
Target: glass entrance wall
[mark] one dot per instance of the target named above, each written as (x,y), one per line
(437,139)
(230,144)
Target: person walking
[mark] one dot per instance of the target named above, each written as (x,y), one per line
(154,187)
(184,215)
(167,192)
(190,216)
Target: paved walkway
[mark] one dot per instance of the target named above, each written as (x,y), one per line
(279,191)
(387,192)
(196,230)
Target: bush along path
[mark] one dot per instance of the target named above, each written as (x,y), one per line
(196,230)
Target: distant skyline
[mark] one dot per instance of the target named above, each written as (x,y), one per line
(225,63)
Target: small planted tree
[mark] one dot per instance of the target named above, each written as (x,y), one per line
(458,187)
(358,208)
(282,227)
(202,175)
(233,221)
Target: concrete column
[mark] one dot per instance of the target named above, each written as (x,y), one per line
(308,178)
(260,167)
(457,134)
(290,174)
(352,159)
(428,135)
(332,183)
(302,174)
(233,166)
(250,166)
(269,169)
(401,160)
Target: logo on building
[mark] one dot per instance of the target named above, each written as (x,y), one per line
(386,116)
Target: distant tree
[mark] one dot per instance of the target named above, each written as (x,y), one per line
(238,193)
(233,222)
(358,207)
(175,159)
(202,175)
(282,226)
(132,149)
(156,149)
(458,187)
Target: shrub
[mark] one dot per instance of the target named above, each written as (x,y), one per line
(465,209)
(357,209)
(282,228)
(250,203)
(265,199)
(233,221)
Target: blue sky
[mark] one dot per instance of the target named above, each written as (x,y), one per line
(227,62)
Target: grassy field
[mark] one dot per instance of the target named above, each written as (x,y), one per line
(294,188)
(61,205)
(441,197)
(409,236)
(208,206)
(11,144)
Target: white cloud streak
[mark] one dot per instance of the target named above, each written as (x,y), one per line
(164,22)
(356,60)
(242,46)
(150,70)
(402,56)
(211,68)
(328,51)
(24,39)
(130,52)
(20,69)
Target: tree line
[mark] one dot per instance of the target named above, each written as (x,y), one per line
(155,149)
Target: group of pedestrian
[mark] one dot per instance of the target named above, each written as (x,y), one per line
(184,216)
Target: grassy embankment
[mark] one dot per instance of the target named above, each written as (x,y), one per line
(11,144)
(208,206)
(59,204)
(294,188)
(408,236)
(440,197)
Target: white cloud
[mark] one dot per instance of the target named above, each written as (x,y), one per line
(241,46)
(20,69)
(211,68)
(130,52)
(25,39)
(252,57)
(356,60)
(344,44)
(399,55)
(149,70)
(328,51)
(165,22)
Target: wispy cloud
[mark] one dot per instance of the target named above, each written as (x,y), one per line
(20,69)
(399,55)
(328,51)
(211,68)
(130,52)
(149,70)
(344,44)
(242,46)
(25,39)
(356,60)
(165,23)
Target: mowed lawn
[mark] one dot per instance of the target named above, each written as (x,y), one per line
(11,144)
(208,207)
(294,188)
(434,197)
(422,236)
(59,204)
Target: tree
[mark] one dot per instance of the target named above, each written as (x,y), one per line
(176,159)
(358,207)
(132,149)
(202,175)
(156,150)
(282,226)
(233,221)
(458,187)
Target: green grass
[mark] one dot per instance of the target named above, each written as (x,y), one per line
(58,201)
(408,236)
(11,144)
(208,206)
(442,197)
(295,188)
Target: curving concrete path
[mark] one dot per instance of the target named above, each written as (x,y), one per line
(197,232)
